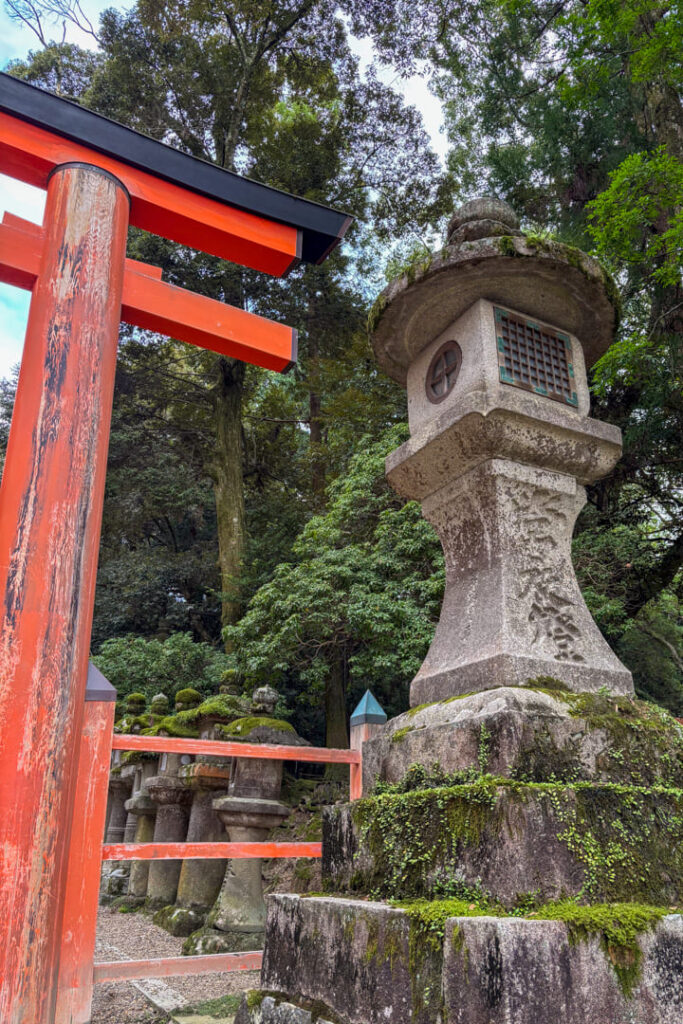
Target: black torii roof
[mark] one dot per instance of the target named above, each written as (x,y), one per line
(322,227)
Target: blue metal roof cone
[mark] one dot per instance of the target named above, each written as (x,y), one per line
(368,710)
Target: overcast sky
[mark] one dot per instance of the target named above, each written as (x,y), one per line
(28,202)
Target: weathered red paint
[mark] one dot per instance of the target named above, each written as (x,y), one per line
(265,751)
(50,516)
(154,305)
(207,851)
(174,966)
(79,922)
(356,780)
(30,154)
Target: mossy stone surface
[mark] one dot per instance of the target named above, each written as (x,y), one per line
(585,840)
(541,732)
(454,960)
(246,728)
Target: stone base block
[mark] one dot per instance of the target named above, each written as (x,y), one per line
(181,921)
(512,669)
(497,971)
(509,841)
(353,957)
(364,963)
(210,940)
(259,1008)
(533,733)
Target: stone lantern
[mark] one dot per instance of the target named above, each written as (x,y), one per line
(143,809)
(492,339)
(172,799)
(249,811)
(207,778)
(121,779)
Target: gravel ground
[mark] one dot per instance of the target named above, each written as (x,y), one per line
(132,937)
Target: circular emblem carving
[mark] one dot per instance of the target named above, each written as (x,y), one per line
(443,371)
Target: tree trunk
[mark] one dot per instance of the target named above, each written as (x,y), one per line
(336,730)
(229,484)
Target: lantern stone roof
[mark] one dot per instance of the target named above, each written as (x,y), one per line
(487,257)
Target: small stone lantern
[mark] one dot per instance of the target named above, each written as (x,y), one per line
(144,810)
(492,339)
(249,811)
(207,777)
(173,800)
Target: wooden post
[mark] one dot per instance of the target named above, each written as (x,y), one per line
(50,516)
(79,923)
(367,720)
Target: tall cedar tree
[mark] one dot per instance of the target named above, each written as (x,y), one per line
(273,91)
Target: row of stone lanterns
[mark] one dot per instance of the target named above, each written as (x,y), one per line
(176,798)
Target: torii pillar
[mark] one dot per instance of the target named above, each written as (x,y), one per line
(100,177)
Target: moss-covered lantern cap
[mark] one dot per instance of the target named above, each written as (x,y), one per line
(487,257)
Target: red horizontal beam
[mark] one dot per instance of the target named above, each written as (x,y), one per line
(265,751)
(175,966)
(207,851)
(30,153)
(154,305)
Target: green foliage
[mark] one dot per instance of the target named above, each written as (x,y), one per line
(638,218)
(150,666)
(610,565)
(359,601)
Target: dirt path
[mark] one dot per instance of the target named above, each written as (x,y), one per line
(132,937)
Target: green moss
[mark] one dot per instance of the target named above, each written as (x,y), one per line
(628,840)
(408,833)
(400,734)
(617,925)
(173,725)
(223,706)
(434,703)
(549,684)
(243,727)
(188,696)
(376,311)
(506,245)
(220,1009)
(254,997)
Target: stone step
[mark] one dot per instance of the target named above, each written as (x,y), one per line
(511,841)
(531,732)
(354,962)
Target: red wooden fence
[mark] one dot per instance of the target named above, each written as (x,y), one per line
(77,972)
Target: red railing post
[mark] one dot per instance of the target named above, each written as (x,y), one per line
(79,922)
(50,515)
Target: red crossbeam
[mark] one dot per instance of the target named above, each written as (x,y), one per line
(174,966)
(207,851)
(30,153)
(266,751)
(152,304)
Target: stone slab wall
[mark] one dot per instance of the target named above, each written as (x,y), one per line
(352,962)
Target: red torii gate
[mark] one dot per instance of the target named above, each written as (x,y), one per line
(100,177)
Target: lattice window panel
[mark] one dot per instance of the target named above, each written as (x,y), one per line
(535,358)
